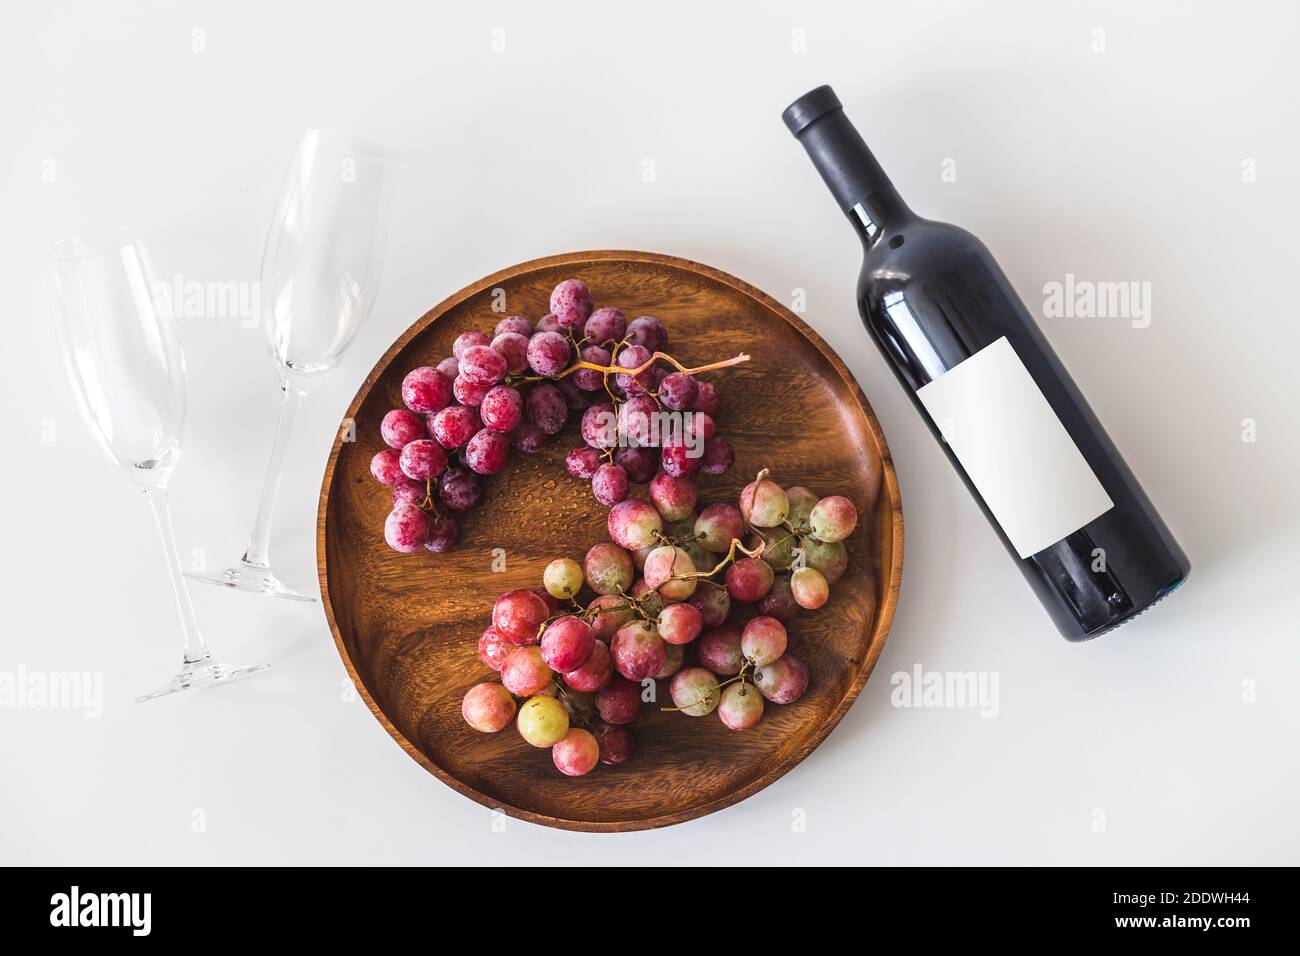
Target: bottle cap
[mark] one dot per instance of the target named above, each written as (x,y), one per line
(814,104)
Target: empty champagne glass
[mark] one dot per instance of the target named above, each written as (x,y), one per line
(125,366)
(320,272)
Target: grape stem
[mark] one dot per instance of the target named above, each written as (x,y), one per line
(717,689)
(428,503)
(634,372)
(727,559)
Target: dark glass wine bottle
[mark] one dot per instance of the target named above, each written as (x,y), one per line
(994,393)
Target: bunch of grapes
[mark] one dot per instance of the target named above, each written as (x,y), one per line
(518,388)
(701,600)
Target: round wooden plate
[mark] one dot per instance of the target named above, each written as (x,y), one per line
(407,626)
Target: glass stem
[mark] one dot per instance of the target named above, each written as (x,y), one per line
(196,649)
(259,546)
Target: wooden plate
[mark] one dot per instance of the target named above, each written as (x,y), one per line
(407,626)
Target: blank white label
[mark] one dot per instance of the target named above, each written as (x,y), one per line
(1017,453)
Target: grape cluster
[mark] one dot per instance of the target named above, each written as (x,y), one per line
(719,586)
(641,422)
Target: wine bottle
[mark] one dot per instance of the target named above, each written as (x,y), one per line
(995,395)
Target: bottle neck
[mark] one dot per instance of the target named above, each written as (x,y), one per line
(853,176)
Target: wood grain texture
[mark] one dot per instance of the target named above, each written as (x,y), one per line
(407,626)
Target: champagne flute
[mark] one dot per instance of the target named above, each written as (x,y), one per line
(125,366)
(320,272)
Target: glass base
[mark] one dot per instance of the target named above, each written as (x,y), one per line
(252,579)
(202,673)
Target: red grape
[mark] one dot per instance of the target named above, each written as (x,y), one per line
(632,357)
(832,519)
(571,303)
(514,349)
(516,324)
(699,428)
(467,340)
(783,681)
(609,484)
(525,672)
(677,391)
(386,466)
(487,452)
(406,529)
(616,745)
(517,616)
(706,399)
(401,426)
(488,707)
(614,611)
(454,426)
(567,643)
(583,462)
(493,649)
(528,438)
(600,426)
(712,601)
(639,463)
(588,379)
(829,557)
(605,325)
(575,398)
(719,650)
(608,568)
(502,409)
(662,566)
(764,504)
(407,492)
(577,753)
(422,459)
(779,602)
(648,333)
(694,692)
(678,459)
(482,365)
(718,525)
(809,588)
(548,353)
(718,456)
(425,390)
(595,671)
(763,640)
(681,623)
(749,579)
(547,408)
(449,368)
(444,534)
(467,392)
(674,497)
(637,419)
(460,490)
(619,701)
(741,706)
(634,524)
(674,657)
(638,650)
(548,323)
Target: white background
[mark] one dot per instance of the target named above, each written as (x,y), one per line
(1128,163)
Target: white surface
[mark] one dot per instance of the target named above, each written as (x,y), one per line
(1026,466)
(1125,164)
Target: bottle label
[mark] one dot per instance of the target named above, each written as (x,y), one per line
(1023,462)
